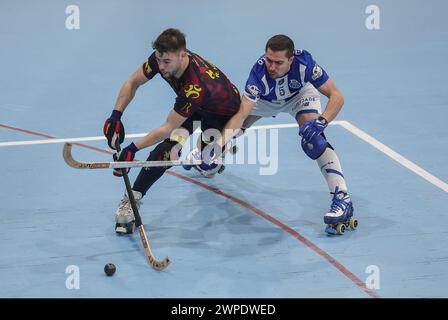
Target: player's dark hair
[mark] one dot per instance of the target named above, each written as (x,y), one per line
(170,40)
(281,42)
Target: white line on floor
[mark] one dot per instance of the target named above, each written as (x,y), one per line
(394,155)
(345,124)
(136,135)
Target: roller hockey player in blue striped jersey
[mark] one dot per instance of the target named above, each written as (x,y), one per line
(289,80)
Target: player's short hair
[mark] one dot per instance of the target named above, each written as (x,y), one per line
(281,42)
(170,40)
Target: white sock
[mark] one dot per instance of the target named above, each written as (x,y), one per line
(331,170)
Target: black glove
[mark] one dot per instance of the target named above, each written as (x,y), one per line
(127,154)
(114,129)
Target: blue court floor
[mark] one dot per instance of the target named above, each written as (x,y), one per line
(240,234)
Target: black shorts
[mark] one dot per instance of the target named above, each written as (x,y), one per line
(206,121)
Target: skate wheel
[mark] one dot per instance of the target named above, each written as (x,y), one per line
(353,223)
(234,150)
(330,230)
(340,228)
(120,229)
(221,170)
(130,228)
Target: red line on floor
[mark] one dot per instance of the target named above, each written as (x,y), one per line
(51,137)
(250,207)
(287,229)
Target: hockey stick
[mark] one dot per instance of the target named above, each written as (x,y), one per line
(68,157)
(156,264)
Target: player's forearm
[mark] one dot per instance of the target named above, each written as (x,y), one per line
(127,93)
(231,128)
(154,137)
(334,105)
(236,122)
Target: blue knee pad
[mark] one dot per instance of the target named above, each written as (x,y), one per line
(316,147)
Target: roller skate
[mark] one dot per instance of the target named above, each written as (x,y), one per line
(206,170)
(194,154)
(340,216)
(124,216)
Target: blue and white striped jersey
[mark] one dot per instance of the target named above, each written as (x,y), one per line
(304,69)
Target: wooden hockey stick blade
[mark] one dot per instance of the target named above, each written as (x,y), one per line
(68,157)
(156,264)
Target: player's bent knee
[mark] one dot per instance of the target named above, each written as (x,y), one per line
(163,151)
(316,147)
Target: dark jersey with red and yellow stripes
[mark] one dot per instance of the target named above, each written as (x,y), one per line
(201,89)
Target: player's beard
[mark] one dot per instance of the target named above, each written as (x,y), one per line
(167,75)
(276,75)
(171,74)
(273,75)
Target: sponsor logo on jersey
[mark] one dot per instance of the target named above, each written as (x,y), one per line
(298,52)
(186,107)
(212,74)
(317,72)
(253,90)
(148,69)
(193,90)
(305,102)
(281,81)
(294,84)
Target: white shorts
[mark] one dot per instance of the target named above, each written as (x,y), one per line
(306,101)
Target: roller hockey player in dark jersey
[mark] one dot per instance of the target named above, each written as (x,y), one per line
(204,96)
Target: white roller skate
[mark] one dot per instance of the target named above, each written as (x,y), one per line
(194,154)
(206,170)
(124,216)
(340,216)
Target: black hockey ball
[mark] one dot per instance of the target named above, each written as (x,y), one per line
(110,269)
